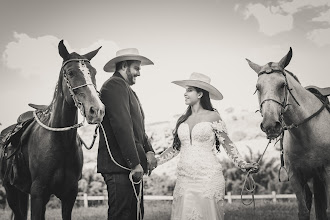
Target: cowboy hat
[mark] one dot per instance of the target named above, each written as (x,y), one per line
(126,54)
(201,81)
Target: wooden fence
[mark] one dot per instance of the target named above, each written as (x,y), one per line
(229,197)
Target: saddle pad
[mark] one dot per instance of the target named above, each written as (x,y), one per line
(323,98)
(323,91)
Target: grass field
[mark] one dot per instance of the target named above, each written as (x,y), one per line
(161,210)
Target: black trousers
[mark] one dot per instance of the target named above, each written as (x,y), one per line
(121,198)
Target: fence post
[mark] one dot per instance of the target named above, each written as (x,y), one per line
(229,197)
(85,200)
(274,196)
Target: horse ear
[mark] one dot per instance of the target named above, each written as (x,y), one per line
(90,55)
(63,51)
(286,60)
(254,66)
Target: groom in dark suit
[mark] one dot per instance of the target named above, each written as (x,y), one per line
(125,149)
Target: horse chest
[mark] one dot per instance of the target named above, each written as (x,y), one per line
(306,158)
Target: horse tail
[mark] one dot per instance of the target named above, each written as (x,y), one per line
(320,194)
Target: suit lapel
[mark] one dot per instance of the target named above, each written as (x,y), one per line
(139,104)
(119,75)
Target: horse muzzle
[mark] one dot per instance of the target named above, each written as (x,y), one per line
(95,114)
(272,130)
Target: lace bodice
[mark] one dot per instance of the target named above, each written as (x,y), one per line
(202,138)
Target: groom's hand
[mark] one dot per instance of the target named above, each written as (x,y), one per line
(137,172)
(152,162)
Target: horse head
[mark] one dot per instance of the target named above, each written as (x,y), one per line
(79,84)
(272,88)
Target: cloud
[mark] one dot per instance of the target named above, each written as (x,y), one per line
(39,58)
(295,6)
(320,36)
(324,16)
(278,18)
(32,56)
(270,20)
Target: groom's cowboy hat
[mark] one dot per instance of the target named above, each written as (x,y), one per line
(201,81)
(126,54)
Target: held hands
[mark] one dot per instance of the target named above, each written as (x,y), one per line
(152,162)
(252,167)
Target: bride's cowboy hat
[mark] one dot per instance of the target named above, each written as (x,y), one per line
(126,54)
(201,81)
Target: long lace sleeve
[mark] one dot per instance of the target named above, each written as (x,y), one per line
(167,155)
(219,128)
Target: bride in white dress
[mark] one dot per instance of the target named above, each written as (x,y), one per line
(200,186)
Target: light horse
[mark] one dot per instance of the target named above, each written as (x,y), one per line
(302,122)
(51,146)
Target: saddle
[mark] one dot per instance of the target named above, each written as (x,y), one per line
(320,93)
(11,156)
(323,91)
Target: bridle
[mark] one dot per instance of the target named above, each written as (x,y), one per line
(283,105)
(77,103)
(287,91)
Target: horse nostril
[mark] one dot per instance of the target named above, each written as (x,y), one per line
(278,126)
(92,111)
(102,112)
(262,127)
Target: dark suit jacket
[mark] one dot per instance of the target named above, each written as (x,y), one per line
(124,126)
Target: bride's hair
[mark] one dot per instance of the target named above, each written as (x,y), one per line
(206,104)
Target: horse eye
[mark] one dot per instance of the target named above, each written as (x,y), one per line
(282,85)
(70,73)
(81,95)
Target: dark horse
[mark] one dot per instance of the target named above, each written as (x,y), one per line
(301,120)
(50,144)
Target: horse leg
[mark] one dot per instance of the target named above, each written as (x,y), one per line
(327,177)
(17,201)
(320,195)
(299,187)
(68,202)
(309,197)
(39,198)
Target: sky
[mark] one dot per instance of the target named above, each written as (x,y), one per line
(213,37)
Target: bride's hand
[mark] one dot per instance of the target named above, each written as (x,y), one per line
(252,167)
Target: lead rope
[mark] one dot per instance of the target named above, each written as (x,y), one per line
(57,129)
(249,184)
(282,160)
(139,183)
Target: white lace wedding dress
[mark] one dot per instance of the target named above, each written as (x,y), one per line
(200,186)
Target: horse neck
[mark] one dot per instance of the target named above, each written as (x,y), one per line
(308,103)
(63,115)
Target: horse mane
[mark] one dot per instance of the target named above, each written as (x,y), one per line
(55,95)
(294,76)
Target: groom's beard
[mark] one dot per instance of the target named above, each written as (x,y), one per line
(130,78)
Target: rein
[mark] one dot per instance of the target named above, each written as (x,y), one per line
(77,103)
